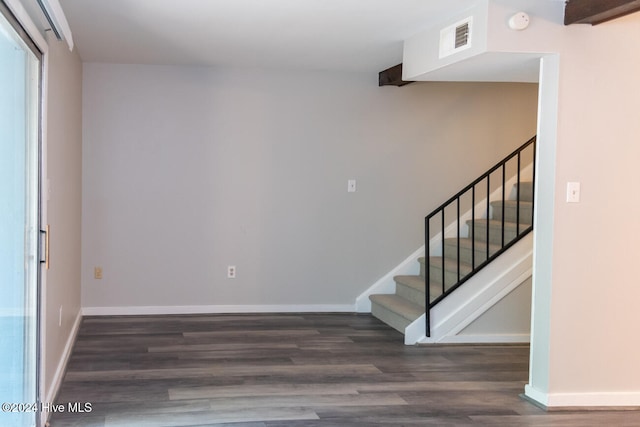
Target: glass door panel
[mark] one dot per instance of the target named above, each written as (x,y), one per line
(19,225)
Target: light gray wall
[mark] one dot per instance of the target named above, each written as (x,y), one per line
(189,170)
(510,316)
(64,170)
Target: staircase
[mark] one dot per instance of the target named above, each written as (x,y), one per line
(476,241)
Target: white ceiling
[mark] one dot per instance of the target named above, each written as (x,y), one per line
(354,35)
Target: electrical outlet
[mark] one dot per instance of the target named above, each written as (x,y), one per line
(97,273)
(231,272)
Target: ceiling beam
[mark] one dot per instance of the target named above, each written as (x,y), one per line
(392,77)
(597,11)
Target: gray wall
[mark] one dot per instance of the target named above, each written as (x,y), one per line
(188,170)
(511,316)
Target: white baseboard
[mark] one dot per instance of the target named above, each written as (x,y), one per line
(536,395)
(588,399)
(217,309)
(415,331)
(487,339)
(419,338)
(51,393)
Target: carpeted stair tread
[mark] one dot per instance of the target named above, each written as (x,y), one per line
(466,243)
(497,224)
(449,264)
(526,190)
(413,289)
(511,211)
(395,311)
(450,268)
(415,282)
(479,254)
(495,230)
(399,305)
(512,204)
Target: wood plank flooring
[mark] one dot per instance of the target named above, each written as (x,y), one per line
(285,370)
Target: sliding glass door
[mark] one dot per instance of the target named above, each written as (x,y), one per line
(19,223)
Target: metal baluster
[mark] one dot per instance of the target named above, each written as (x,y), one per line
(488,193)
(443,275)
(473,227)
(458,240)
(518,200)
(503,199)
(533,181)
(427,280)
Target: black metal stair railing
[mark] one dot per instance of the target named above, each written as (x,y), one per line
(489,252)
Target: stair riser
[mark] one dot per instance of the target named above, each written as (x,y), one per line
(450,277)
(451,270)
(495,234)
(392,319)
(417,296)
(436,265)
(511,214)
(451,252)
(526,191)
(412,294)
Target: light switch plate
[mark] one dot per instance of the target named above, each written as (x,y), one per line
(573,192)
(351,186)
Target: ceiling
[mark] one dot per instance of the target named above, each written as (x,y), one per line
(351,35)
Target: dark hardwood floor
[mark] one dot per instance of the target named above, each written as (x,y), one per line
(294,370)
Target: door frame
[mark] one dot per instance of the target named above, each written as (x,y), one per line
(27,30)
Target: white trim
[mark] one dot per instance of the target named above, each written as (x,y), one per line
(44,218)
(386,284)
(62,365)
(587,399)
(218,309)
(27,23)
(23,17)
(415,331)
(487,339)
(55,12)
(536,395)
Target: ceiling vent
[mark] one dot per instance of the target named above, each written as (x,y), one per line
(456,37)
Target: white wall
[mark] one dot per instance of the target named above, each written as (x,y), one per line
(64,170)
(188,170)
(422,52)
(595,290)
(585,345)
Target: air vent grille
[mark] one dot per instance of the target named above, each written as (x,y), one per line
(456,38)
(462,35)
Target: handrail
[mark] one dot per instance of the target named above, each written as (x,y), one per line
(440,210)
